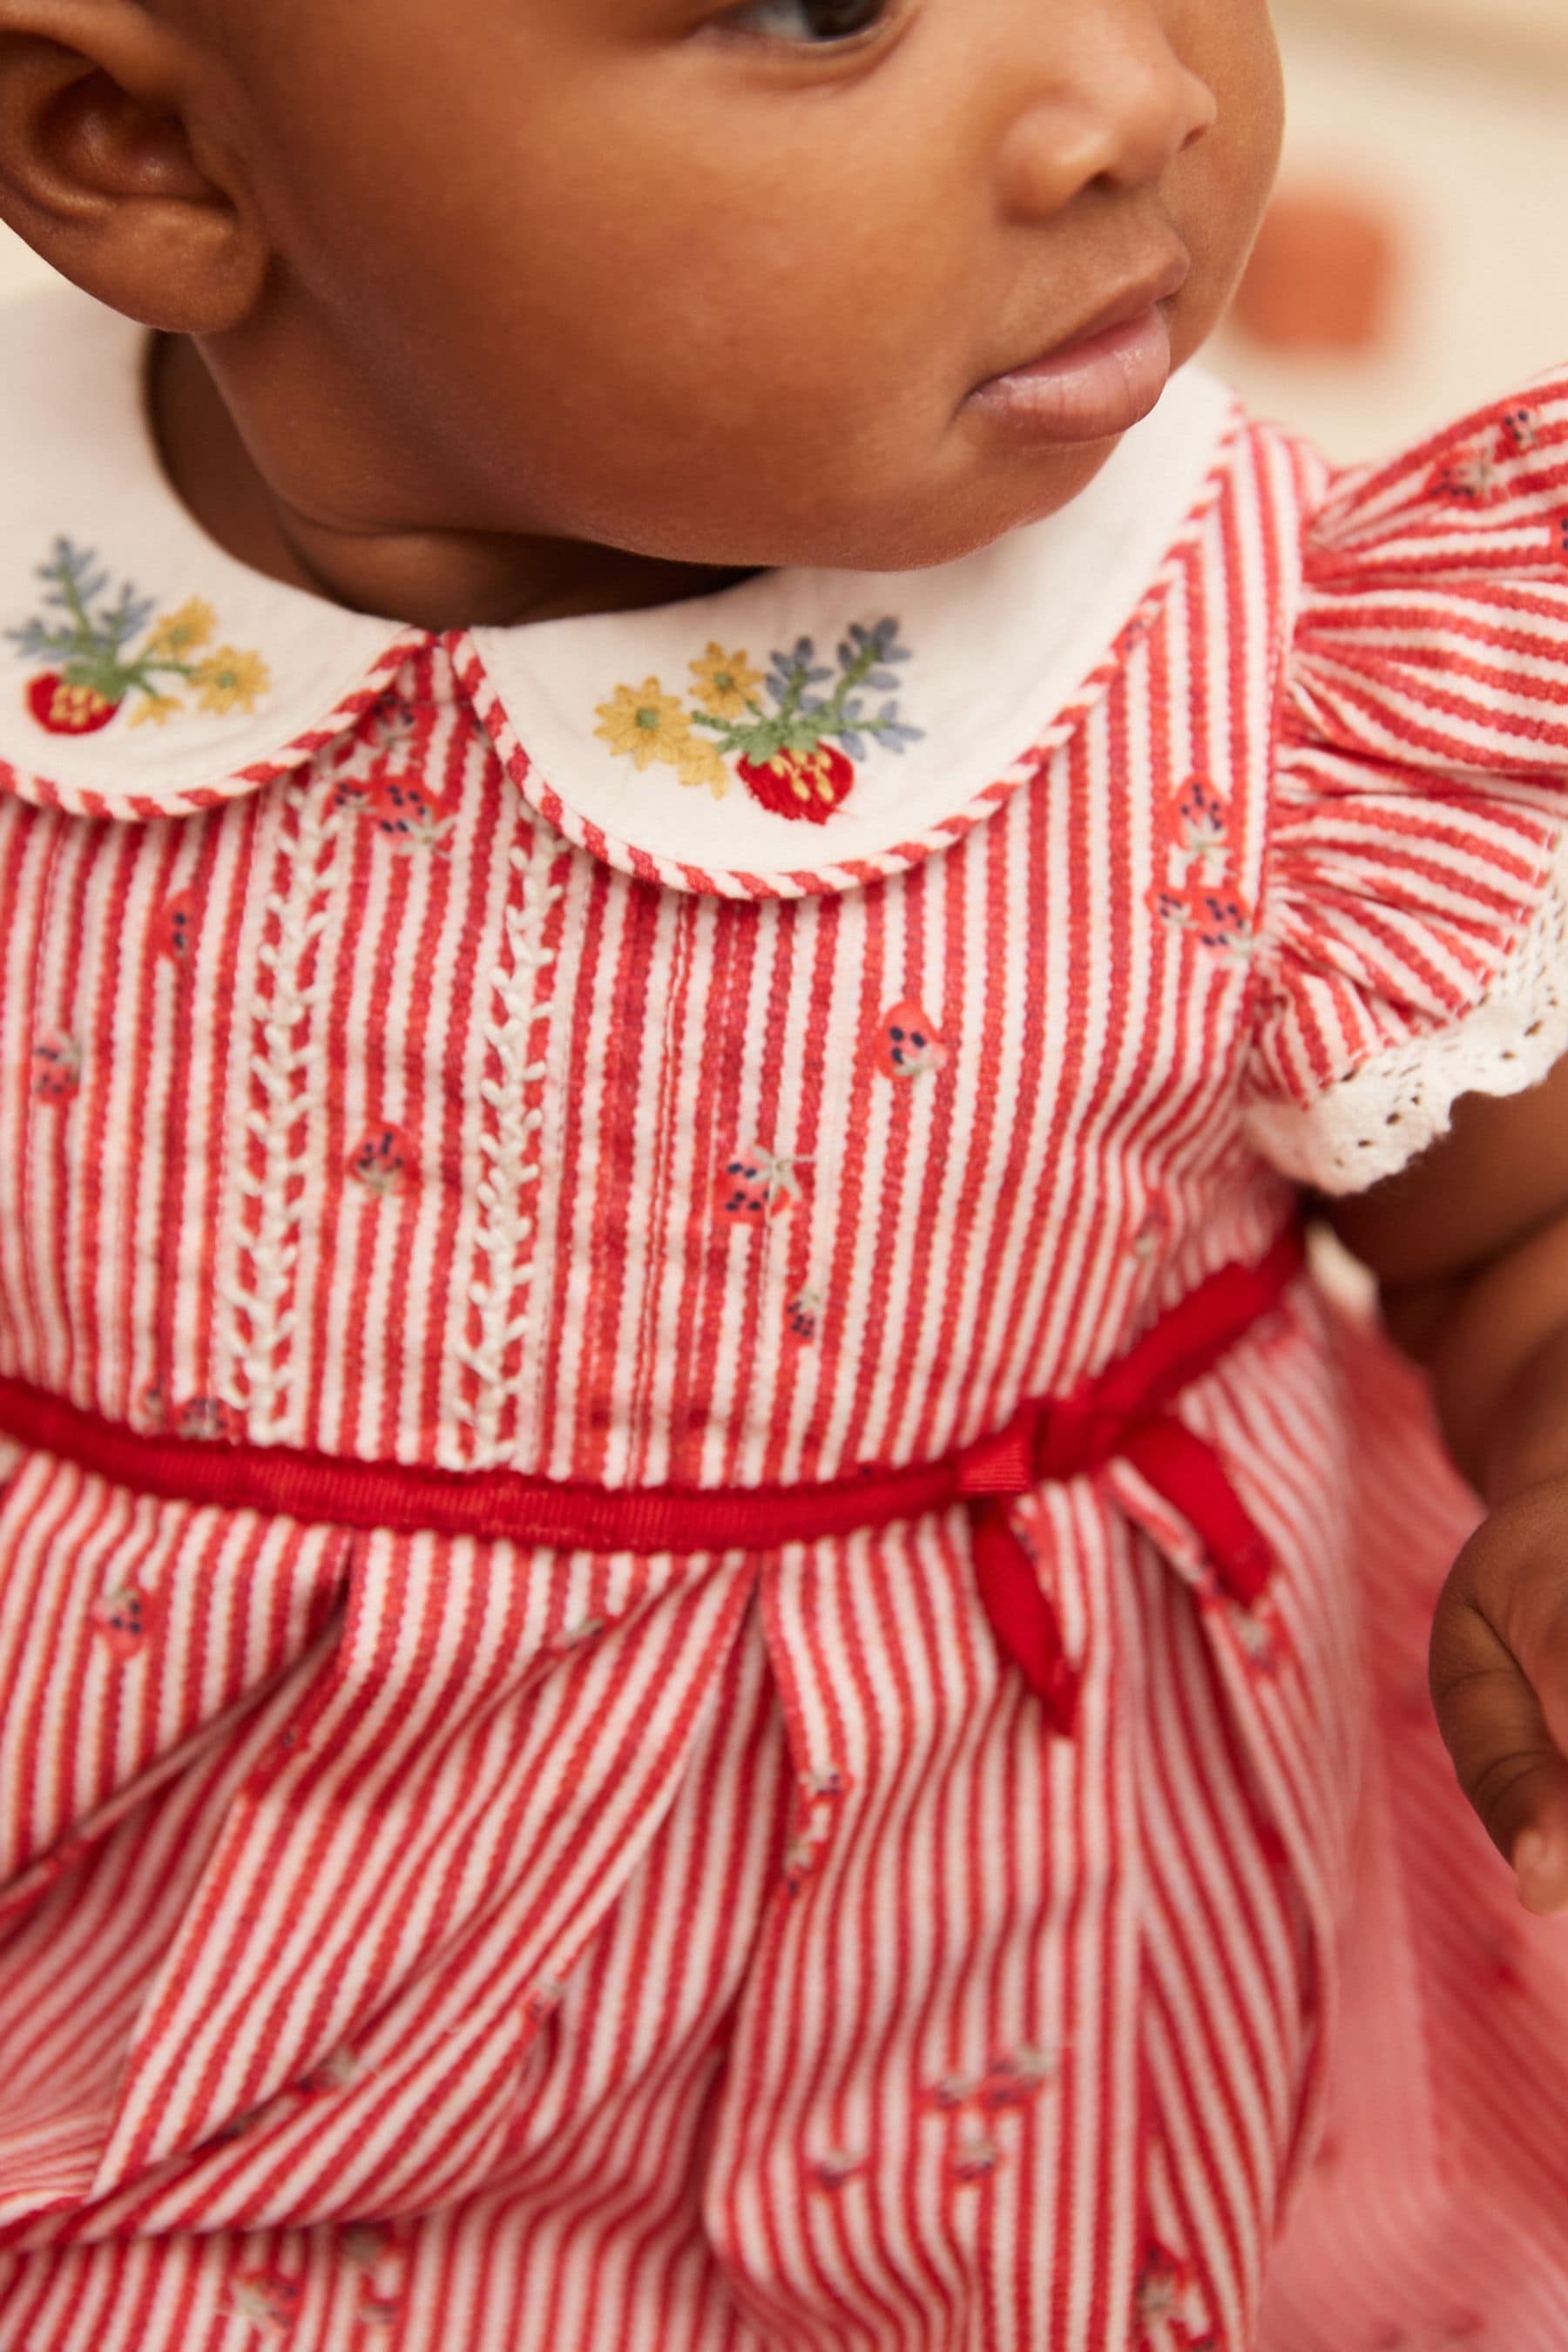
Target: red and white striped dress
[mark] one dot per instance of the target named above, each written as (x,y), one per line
(588,1052)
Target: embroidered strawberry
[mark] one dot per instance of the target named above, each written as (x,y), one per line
(973,2158)
(56,1068)
(1199,818)
(406,811)
(805,1314)
(1162,2280)
(1521,433)
(832,2171)
(381,1160)
(62,708)
(335,2073)
(209,1418)
(127,1621)
(754,1185)
(809,784)
(1015,2078)
(177,926)
(1154,1230)
(907,1045)
(270,2299)
(1473,479)
(1219,918)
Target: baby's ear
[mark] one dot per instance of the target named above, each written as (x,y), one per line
(113,168)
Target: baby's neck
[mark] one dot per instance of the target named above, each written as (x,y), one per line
(434,580)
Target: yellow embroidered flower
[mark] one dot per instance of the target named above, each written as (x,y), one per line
(157,707)
(230,681)
(646,724)
(725,682)
(700,765)
(186,631)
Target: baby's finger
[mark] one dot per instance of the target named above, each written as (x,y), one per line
(1508,1765)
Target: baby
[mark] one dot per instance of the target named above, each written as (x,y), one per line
(706,1644)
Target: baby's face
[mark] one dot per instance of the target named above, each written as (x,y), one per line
(721,283)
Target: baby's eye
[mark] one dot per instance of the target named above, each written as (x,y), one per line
(808,21)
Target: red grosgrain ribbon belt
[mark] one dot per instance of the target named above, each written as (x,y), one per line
(1124,1413)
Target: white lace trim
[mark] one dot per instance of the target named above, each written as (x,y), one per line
(1386,1114)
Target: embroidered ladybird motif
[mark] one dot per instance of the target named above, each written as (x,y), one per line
(906,1045)
(127,1619)
(795,733)
(754,1185)
(269,2299)
(56,1069)
(381,1159)
(106,651)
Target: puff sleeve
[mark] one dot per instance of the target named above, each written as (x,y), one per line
(1413,940)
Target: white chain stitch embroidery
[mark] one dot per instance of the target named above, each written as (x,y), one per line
(262,1327)
(506,1229)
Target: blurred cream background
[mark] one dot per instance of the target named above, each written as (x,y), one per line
(1451,116)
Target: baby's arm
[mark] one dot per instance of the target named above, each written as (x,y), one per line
(1472,1246)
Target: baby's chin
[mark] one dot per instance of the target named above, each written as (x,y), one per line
(936,525)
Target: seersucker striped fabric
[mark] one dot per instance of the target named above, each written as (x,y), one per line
(412,1939)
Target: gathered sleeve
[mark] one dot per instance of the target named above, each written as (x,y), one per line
(1412,936)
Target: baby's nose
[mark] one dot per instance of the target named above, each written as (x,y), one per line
(1113,103)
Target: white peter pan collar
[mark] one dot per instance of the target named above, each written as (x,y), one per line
(918,699)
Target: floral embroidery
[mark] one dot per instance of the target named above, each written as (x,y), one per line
(127,1621)
(906,1044)
(56,1069)
(796,758)
(105,650)
(381,1161)
(754,1185)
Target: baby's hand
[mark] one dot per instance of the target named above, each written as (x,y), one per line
(1500,1682)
